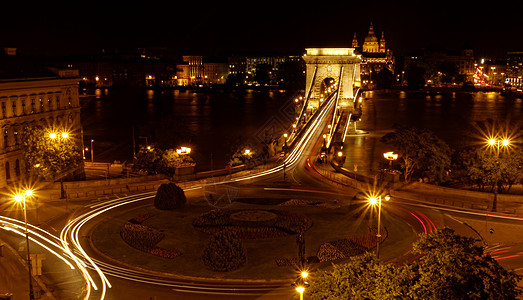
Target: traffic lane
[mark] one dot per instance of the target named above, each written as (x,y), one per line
(125,289)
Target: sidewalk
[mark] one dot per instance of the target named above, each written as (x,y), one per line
(508,204)
(14,274)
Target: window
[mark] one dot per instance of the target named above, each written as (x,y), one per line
(17,168)
(7,171)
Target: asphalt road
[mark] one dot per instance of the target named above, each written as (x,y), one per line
(403,219)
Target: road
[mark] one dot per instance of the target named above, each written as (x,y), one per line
(80,272)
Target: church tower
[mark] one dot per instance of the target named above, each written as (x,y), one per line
(382,43)
(355,41)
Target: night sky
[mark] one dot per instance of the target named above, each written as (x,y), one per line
(287,27)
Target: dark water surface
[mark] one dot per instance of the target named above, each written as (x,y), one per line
(215,120)
(448,115)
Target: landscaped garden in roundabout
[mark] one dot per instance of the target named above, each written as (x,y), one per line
(251,238)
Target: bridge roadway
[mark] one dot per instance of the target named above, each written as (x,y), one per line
(64,233)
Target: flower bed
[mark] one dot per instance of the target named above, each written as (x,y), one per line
(145,238)
(253,224)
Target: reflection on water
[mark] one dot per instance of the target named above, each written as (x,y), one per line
(214,120)
(448,115)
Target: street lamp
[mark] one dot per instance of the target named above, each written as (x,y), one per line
(21,198)
(65,135)
(92,151)
(391,157)
(498,144)
(300,290)
(373,200)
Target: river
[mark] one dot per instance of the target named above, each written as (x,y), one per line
(448,115)
(208,122)
(211,122)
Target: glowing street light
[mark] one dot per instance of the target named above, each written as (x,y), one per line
(373,200)
(21,198)
(183,150)
(498,144)
(390,156)
(300,290)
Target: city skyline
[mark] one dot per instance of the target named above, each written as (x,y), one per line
(60,28)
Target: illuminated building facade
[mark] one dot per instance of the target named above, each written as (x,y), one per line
(514,70)
(30,98)
(374,54)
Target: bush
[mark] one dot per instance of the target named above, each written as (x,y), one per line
(224,252)
(169,196)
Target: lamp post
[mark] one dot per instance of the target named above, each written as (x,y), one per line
(65,135)
(300,290)
(497,144)
(391,157)
(92,151)
(373,201)
(21,198)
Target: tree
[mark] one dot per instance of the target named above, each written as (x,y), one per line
(171,159)
(148,160)
(497,166)
(455,267)
(450,266)
(420,151)
(153,160)
(363,277)
(50,155)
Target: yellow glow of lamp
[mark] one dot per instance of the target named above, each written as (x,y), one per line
(183,150)
(390,155)
(19,198)
(52,135)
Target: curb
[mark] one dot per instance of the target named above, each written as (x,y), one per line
(40,283)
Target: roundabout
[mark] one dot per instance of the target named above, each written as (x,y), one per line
(332,234)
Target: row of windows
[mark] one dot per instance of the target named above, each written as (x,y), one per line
(12,133)
(11,109)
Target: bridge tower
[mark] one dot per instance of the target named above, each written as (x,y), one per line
(335,66)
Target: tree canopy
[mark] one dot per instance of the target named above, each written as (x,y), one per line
(50,155)
(421,152)
(450,266)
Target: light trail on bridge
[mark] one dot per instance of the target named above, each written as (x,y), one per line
(69,236)
(70,250)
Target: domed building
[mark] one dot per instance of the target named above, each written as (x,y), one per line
(375,56)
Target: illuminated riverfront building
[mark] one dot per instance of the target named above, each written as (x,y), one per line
(374,54)
(30,96)
(514,69)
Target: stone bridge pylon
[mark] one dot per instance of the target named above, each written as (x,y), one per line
(331,67)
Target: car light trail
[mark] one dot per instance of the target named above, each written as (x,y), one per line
(74,254)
